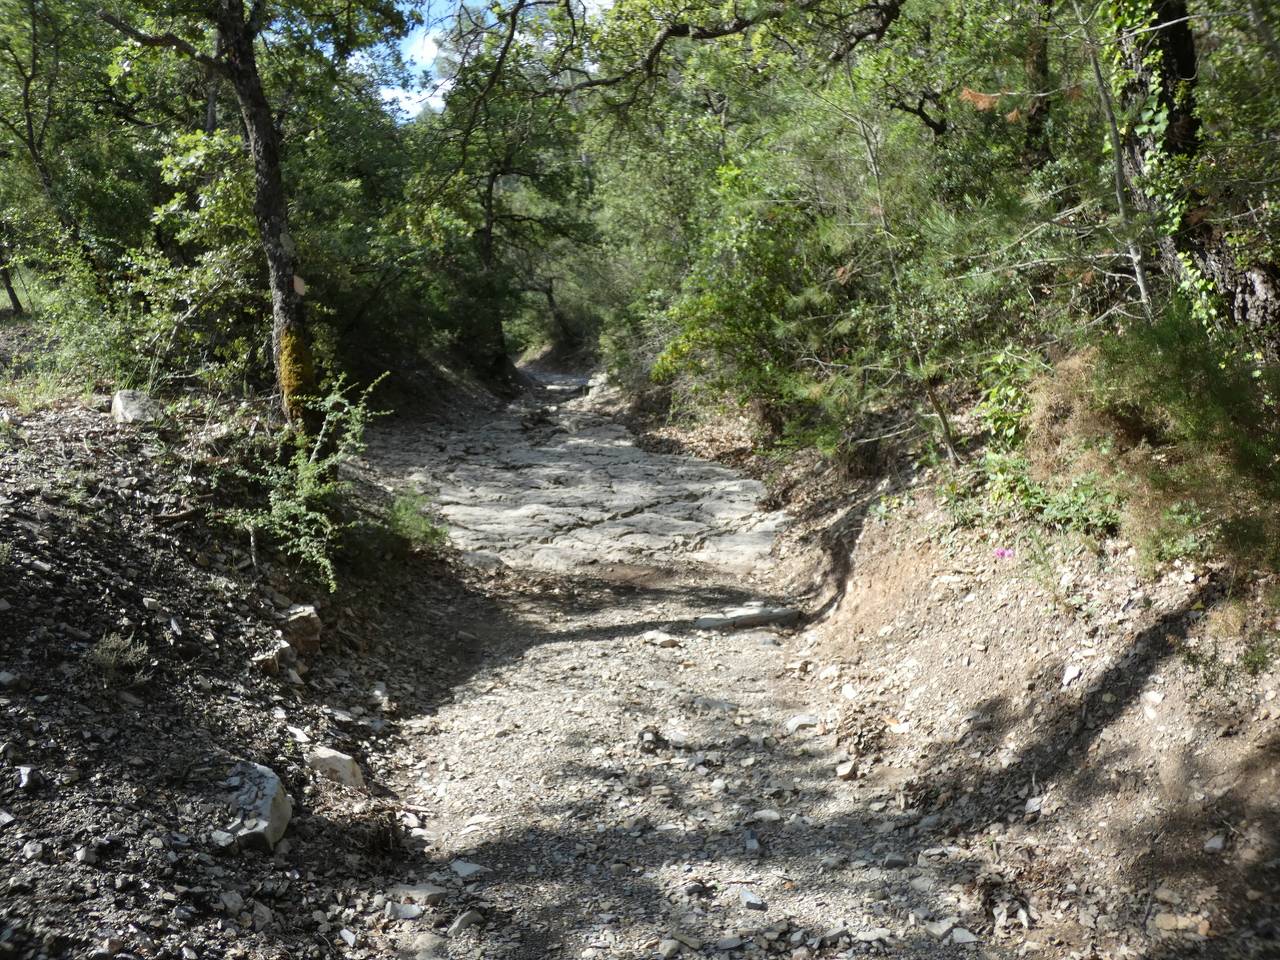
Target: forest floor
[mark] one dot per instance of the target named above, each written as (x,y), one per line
(601,727)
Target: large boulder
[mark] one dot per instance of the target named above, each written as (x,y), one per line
(262,805)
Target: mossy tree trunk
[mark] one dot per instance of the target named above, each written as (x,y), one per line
(290,342)
(234,57)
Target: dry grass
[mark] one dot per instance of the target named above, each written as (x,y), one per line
(1182,500)
(119,659)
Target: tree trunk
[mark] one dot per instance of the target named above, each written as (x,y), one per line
(14,303)
(1036,150)
(290,342)
(490,346)
(1163,59)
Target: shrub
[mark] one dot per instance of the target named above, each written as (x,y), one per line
(407,517)
(119,659)
(302,486)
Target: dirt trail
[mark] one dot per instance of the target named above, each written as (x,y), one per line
(611,781)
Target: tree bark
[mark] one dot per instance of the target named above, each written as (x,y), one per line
(7,279)
(1164,58)
(1036,150)
(290,340)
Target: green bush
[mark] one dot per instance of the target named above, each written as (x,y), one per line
(303,516)
(408,518)
(1199,417)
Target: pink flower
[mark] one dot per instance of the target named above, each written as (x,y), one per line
(1003,553)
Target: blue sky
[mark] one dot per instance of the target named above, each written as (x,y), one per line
(419,50)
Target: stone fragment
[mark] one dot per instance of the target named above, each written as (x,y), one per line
(464,921)
(745,617)
(403,911)
(962,936)
(467,870)
(232,902)
(133,406)
(29,779)
(802,722)
(302,627)
(33,850)
(668,948)
(896,861)
(336,766)
(750,900)
(848,770)
(262,805)
(939,929)
(1215,844)
(427,893)
(7,679)
(728,943)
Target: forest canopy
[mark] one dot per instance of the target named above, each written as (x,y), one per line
(848,215)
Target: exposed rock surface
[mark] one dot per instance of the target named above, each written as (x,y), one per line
(567,488)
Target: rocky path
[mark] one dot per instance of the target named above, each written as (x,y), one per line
(624,774)
(559,487)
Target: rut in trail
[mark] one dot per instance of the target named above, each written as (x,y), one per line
(611,781)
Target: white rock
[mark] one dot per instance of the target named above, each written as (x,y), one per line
(467,870)
(668,949)
(469,919)
(427,893)
(336,766)
(1215,844)
(940,928)
(132,406)
(803,722)
(302,626)
(1072,672)
(961,935)
(263,806)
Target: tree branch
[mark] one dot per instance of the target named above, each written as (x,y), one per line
(170,40)
(885,13)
